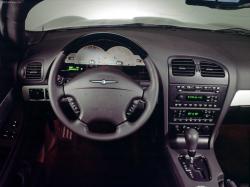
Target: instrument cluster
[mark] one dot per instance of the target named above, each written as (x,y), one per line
(95,55)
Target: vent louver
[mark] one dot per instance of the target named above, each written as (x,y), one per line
(210,69)
(33,71)
(183,67)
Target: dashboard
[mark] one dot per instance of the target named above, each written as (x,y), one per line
(215,66)
(201,74)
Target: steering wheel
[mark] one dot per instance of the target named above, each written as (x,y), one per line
(101,94)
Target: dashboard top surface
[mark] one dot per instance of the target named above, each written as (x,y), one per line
(228,49)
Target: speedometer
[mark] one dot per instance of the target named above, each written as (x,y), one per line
(123,56)
(91,55)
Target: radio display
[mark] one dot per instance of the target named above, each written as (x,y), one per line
(196,97)
(194,113)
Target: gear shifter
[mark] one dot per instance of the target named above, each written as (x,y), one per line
(195,166)
(191,138)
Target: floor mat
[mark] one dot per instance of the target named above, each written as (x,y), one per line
(79,162)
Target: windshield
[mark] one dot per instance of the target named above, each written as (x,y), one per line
(59,14)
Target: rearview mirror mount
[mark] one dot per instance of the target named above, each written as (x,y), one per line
(221,4)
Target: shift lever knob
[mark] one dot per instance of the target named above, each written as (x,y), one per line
(191,138)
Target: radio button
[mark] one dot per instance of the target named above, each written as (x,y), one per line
(190,88)
(180,97)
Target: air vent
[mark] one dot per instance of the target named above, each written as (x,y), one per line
(209,69)
(183,67)
(33,71)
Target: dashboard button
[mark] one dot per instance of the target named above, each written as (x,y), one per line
(211,120)
(206,129)
(36,94)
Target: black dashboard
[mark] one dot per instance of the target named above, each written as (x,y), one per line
(200,71)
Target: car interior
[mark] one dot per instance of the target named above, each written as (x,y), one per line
(129,93)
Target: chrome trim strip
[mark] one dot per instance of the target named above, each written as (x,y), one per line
(104,82)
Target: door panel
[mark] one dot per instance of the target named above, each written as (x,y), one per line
(8,59)
(8,101)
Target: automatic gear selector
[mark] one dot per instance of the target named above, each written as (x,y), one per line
(195,165)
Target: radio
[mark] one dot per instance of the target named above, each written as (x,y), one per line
(196,100)
(201,96)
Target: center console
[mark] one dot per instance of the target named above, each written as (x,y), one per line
(197,91)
